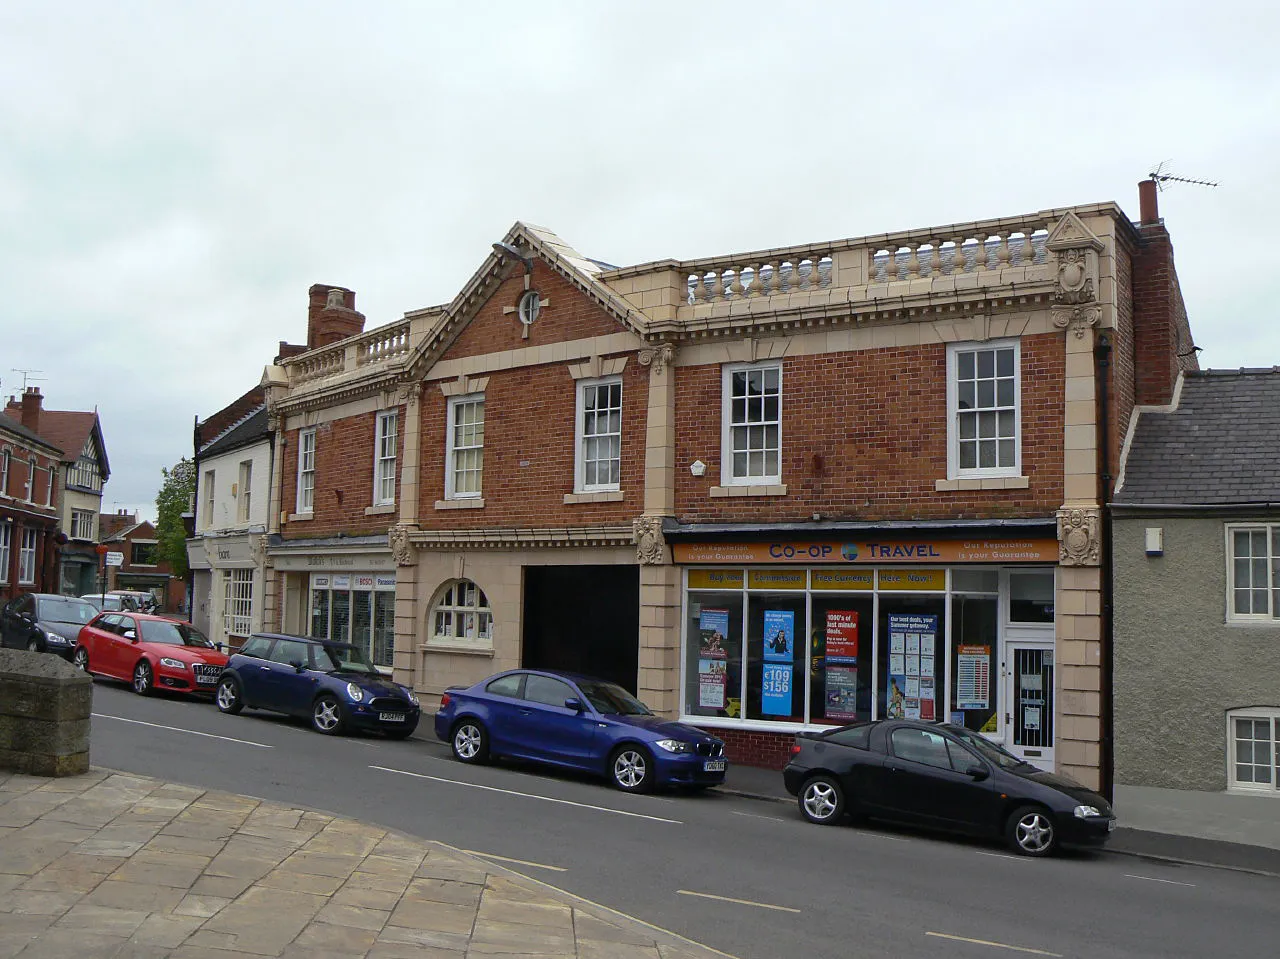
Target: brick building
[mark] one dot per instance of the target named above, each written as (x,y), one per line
(769,492)
(82,473)
(142,570)
(28,507)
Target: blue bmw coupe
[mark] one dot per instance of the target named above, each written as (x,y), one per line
(576,722)
(331,684)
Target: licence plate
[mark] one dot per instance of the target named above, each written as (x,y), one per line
(203,679)
(391,717)
(1111,824)
(713,766)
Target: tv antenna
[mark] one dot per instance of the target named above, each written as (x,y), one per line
(27,375)
(1161,178)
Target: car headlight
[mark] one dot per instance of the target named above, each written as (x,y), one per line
(54,639)
(413,697)
(1086,812)
(355,692)
(674,745)
(173,663)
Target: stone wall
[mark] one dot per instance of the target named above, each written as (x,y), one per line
(45,704)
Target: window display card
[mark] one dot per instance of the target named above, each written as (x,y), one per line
(913,642)
(897,643)
(913,664)
(897,663)
(913,687)
(926,666)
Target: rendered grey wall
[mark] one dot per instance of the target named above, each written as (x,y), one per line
(1178,667)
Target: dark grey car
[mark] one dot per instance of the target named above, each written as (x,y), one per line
(44,623)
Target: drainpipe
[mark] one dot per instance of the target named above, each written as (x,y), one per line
(1102,357)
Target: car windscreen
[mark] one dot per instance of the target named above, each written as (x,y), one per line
(987,749)
(65,611)
(612,700)
(173,634)
(347,659)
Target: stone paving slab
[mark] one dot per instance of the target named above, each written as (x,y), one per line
(124,867)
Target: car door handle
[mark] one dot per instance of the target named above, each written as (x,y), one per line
(526,712)
(265,668)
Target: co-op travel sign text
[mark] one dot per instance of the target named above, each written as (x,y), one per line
(849,551)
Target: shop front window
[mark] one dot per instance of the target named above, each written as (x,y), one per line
(777,649)
(974,642)
(713,668)
(912,642)
(1031,597)
(358,609)
(840,677)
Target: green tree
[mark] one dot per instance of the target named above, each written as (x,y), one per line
(172,501)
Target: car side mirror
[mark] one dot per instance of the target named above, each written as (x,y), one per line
(574,704)
(977,771)
(219,646)
(297,666)
(130,635)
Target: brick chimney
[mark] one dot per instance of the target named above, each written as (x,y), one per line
(331,315)
(1162,343)
(31,403)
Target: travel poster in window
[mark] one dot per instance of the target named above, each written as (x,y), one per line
(912,641)
(842,664)
(779,646)
(713,627)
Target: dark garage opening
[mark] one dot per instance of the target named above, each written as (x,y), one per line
(585,619)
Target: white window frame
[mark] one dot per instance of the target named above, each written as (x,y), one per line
(237,602)
(384,458)
(27,557)
(1267,714)
(954,470)
(6,542)
(244,501)
(450,486)
(580,483)
(210,486)
(48,492)
(31,479)
(305,501)
(1272,615)
(727,475)
(5,459)
(80,519)
(470,615)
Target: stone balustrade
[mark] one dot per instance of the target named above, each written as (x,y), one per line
(912,256)
(384,343)
(316,365)
(756,276)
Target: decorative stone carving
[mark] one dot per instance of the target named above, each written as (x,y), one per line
(401,549)
(258,550)
(1076,318)
(1079,535)
(651,548)
(1075,285)
(657,356)
(409,391)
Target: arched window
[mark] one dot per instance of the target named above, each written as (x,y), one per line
(461,616)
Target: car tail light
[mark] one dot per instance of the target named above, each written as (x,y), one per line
(795,749)
(444,700)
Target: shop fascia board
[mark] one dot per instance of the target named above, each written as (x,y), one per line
(710,532)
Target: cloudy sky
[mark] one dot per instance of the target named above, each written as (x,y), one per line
(173,176)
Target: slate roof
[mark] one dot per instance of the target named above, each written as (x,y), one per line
(249,430)
(1219,447)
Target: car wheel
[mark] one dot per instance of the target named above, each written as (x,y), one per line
(1030,832)
(470,742)
(142,678)
(228,696)
(326,715)
(631,769)
(33,646)
(822,800)
(81,660)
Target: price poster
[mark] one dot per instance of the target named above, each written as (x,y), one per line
(779,635)
(775,689)
(713,679)
(912,692)
(973,677)
(841,664)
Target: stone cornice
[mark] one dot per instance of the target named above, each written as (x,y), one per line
(359,385)
(507,538)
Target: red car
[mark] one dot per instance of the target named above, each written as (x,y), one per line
(149,652)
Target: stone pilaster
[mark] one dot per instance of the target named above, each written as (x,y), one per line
(660,638)
(410,395)
(660,431)
(406,658)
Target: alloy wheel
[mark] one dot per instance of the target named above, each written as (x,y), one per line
(142,678)
(820,800)
(33,646)
(327,715)
(226,696)
(466,742)
(629,768)
(81,660)
(1034,833)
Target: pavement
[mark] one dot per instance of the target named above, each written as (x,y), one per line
(117,865)
(1221,829)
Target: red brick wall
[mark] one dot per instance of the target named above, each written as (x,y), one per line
(529,440)
(344,478)
(1161,329)
(1123,371)
(568,316)
(864,436)
(751,747)
(19,473)
(229,415)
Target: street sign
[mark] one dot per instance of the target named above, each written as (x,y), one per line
(115,559)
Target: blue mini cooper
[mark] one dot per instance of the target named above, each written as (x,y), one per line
(331,684)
